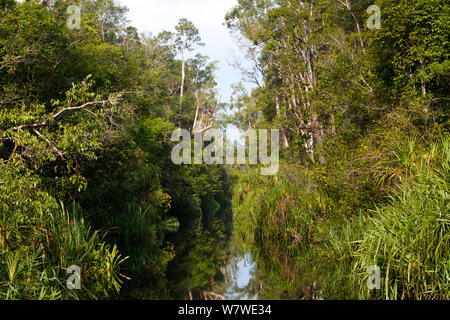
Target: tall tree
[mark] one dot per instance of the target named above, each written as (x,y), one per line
(205,95)
(187,38)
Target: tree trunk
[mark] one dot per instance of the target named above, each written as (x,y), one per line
(283,132)
(197,108)
(333,126)
(182,85)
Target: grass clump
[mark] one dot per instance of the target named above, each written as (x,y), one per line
(409,236)
(36,266)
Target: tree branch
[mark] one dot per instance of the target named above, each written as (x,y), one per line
(57,115)
(49,143)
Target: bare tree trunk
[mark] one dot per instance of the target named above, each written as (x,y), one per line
(194,126)
(283,132)
(333,126)
(316,135)
(183,75)
(197,108)
(315,126)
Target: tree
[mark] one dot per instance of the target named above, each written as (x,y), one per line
(85,119)
(203,83)
(187,38)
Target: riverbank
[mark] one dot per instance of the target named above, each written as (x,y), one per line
(305,249)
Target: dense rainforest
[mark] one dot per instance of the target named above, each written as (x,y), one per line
(361,96)
(86,176)
(88,108)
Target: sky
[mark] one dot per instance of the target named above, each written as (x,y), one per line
(207,15)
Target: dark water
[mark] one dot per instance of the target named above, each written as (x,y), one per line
(213,263)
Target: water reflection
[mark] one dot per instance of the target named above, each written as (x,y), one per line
(214,262)
(240,276)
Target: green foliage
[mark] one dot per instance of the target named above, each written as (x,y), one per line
(408,237)
(37,251)
(187,35)
(86,118)
(361,181)
(303,247)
